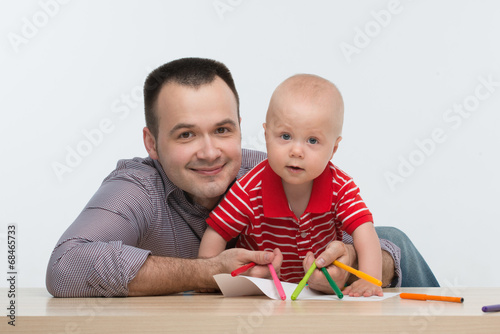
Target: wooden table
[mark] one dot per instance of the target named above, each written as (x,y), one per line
(38,312)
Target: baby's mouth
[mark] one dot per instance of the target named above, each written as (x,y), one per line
(295,168)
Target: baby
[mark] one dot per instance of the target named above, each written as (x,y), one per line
(297,200)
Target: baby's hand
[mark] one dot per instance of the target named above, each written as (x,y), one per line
(362,288)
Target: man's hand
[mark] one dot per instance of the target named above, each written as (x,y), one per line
(234,258)
(165,275)
(336,250)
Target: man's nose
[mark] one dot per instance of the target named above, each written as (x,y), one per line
(209,149)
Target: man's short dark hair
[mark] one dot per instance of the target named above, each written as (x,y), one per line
(192,72)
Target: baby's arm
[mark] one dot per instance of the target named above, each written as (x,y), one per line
(367,247)
(212,244)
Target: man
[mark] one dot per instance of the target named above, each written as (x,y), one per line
(140,233)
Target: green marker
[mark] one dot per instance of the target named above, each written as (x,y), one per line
(334,285)
(303,282)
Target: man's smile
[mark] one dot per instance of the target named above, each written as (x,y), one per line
(208,170)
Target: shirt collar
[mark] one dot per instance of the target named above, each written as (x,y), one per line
(169,186)
(274,199)
(172,189)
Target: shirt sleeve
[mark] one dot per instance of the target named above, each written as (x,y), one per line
(98,253)
(233,214)
(351,209)
(395,253)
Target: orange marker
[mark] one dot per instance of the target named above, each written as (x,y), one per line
(358,273)
(418,296)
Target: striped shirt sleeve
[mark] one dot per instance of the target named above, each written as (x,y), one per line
(99,255)
(232,214)
(351,209)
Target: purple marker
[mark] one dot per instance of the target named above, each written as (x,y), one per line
(491,308)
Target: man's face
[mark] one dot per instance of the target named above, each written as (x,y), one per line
(199,139)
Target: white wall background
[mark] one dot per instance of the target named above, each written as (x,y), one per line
(410,72)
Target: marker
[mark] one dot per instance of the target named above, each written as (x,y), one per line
(303,282)
(418,296)
(358,273)
(277,282)
(491,308)
(242,269)
(334,285)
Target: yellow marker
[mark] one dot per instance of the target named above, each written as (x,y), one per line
(358,273)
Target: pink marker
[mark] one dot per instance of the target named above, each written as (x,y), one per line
(277,282)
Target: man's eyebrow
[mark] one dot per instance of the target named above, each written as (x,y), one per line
(191,126)
(181,126)
(227,121)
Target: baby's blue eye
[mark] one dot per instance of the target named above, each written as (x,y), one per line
(286,136)
(313,141)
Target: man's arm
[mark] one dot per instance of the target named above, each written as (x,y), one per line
(94,257)
(164,275)
(98,254)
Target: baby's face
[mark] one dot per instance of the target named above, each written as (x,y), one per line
(301,136)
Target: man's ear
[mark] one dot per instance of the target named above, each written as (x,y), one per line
(336,146)
(149,143)
(264,126)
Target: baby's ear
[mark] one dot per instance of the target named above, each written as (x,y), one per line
(336,146)
(264,126)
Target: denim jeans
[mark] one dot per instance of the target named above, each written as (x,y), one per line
(414,270)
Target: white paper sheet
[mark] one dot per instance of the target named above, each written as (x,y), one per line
(252,286)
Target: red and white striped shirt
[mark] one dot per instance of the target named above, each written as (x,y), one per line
(256,209)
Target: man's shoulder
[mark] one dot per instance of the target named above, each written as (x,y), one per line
(135,185)
(136,168)
(250,159)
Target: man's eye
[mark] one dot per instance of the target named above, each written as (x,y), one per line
(185,135)
(286,136)
(222,130)
(312,141)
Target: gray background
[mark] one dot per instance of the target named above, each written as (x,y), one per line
(420,134)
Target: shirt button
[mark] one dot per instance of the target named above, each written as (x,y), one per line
(303,234)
